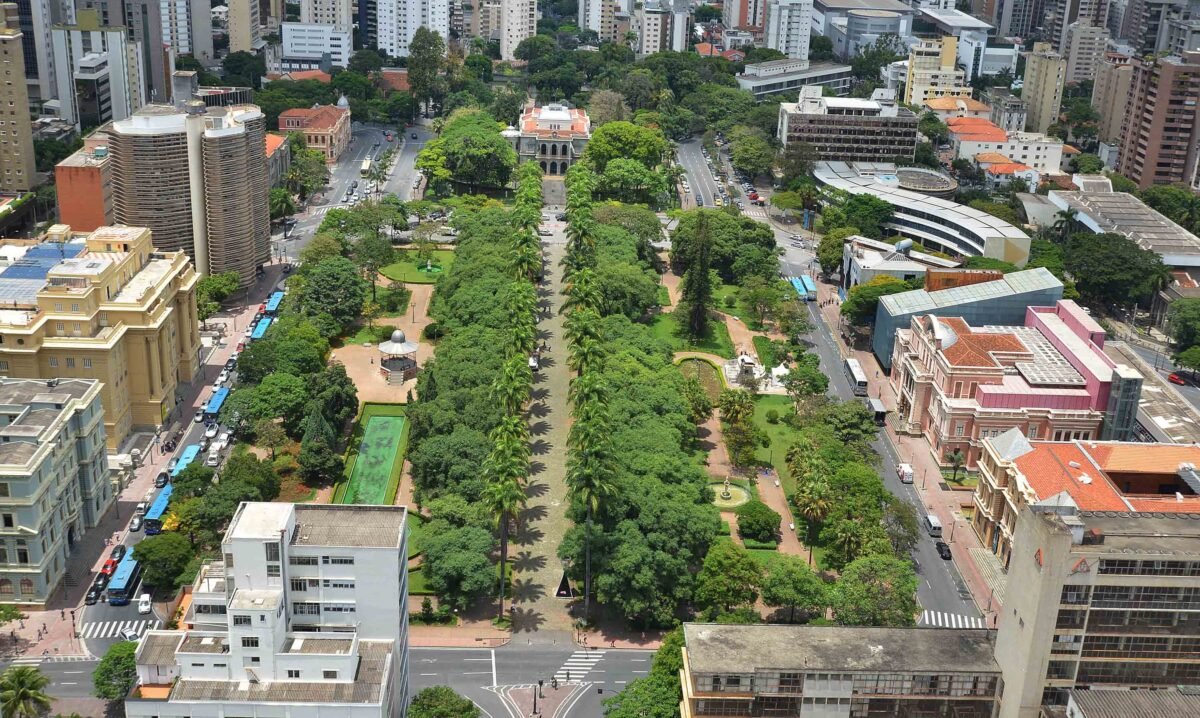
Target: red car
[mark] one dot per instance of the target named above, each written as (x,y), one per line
(241,346)
(1176,379)
(109,567)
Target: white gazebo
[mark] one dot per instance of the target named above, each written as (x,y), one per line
(399,360)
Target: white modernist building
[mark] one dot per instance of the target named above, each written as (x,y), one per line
(518,21)
(937,224)
(305,45)
(789,23)
(398,21)
(54,472)
(306,617)
(98,72)
(788,76)
(187,27)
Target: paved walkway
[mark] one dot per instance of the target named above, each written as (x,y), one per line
(534,550)
(944,503)
(362,362)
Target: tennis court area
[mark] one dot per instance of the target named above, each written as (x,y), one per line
(375,464)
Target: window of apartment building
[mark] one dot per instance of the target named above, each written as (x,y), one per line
(329,675)
(273,570)
(338,560)
(957,389)
(9,521)
(272,551)
(70,362)
(249,642)
(1032,432)
(336,583)
(74,307)
(241,620)
(292,673)
(58,306)
(54,361)
(302,560)
(960,428)
(302,608)
(3,365)
(299,584)
(87,363)
(60,327)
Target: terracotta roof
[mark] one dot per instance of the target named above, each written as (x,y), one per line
(992,157)
(580,127)
(1144,458)
(274,142)
(317,75)
(1069,150)
(1007,168)
(395,78)
(977,349)
(322,117)
(952,103)
(734,55)
(706,49)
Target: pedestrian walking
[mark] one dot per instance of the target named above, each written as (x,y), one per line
(62,613)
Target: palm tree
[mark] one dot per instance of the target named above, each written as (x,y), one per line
(586,391)
(956,459)
(526,262)
(1064,222)
(586,356)
(581,324)
(814,504)
(22,694)
(504,497)
(589,481)
(583,291)
(511,387)
(737,406)
(281,203)
(848,535)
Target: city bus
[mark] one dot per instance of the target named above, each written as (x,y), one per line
(810,287)
(153,520)
(260,329)
(857,377)
(273,303)
(124,584)
(802,289)
(366,168)
(190,452)
(215,403)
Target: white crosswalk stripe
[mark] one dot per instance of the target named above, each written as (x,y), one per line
(322,211)
(111,629)
(941,619)
(578,665)
(27,661)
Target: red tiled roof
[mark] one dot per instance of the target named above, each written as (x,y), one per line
(706,49)
(992,157)
(734,55)
(1081,469)
(322,117)
(395,78)
(976,349)
(274,142)
(1007,168)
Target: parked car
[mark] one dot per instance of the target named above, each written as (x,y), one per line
(109,567)
(943,550)
(1177,379)
(224,441)
(223,376)
(144,604)
(211,430)
(93,596)
(118,552)
(213,460)
(204,443)
(140,509)
(561,216)
(230,363)
(413,135)
(173,463)
(542,231)
(161,480)
(100,581)
(129,634)
(136,524)
(905,473)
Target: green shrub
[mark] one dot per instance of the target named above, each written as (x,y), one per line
(758,521)
(432,331)
(772,416)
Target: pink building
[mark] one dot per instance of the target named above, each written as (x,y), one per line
(1050,378)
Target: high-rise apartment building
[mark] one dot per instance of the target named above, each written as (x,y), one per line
(54,470)
(789,24)
(1160,135)
(1045,75)
(305,616)
(653,27)
(398,21)
(933,71)
(36,18)
(1016,18)
(108,306)
(1009,112)
(338,13)
(1085,48)
(1062,13)
(748,15)
(1110,94)
(837,672)
(1183,29)
(1102,572)
(17,161)
(99,73)
(1146,23)
(848,130)
(245,26)
(187,28)
(518,21)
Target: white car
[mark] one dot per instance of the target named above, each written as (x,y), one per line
(129,634)
(223,376)
(223,441)
(199,415)
(144,606)
(211,431)
(214,458)
(543,232)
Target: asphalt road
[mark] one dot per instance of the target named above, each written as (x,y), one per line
(1162,363)
(941,587)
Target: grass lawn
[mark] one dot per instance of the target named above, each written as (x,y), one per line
(392,303)
(762,556)
(376,457)
(666,327)
(780,434)
(406,270)
(416,583)
(964,478)
(709,376)
(766,354)
(721,293)
(416,532)
(664,296)
(364,334)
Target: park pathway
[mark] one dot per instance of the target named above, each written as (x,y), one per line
(537,614)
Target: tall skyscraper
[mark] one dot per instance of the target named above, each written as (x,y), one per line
(338,13)
(789,24)
(1110,93)
(745,14)
(187,27)
(1084,50)
(1160,137)
(1015,18)
(36,19)
(1045,75)
(98,71)
(398,21)
(245,26)
(933,71)
(197,178)
(17,165)
(1061,13)
(1146,23)
(518,21)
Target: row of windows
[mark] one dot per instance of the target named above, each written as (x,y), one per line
(70,361)
(312,560)
(1127,567)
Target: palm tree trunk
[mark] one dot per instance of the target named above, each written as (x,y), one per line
(587,567)
(503,558)
(808,542)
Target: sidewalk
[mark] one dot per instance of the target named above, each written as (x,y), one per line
(941,502)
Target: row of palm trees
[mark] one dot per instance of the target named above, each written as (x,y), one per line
(813,497)
(590,470)
(506,469)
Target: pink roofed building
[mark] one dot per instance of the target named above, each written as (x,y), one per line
(958,385)
(552,135)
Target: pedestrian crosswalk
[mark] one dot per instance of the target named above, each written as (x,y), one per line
(112,629)
(941,619)
(39,660)
(322,211)
(579,665)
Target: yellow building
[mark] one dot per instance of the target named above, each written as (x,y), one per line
(933,72)
(105,306)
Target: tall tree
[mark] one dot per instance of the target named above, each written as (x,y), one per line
(116,673)
(876,591)
(426,53)
(23,692)
(792,584)
(729,578)
(697,282)
(504,497)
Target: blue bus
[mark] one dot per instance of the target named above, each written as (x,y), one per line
(153,520)
(261,328)
(190,452)
(805,287)
(215,403)
(274,302)
(125,580)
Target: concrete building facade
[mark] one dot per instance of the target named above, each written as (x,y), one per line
(107,306)
(1110,94)
(970,136)
(338,13)
(312,621)
(849,130)
(553,135)
(748,15)
(933,71)
(1160,137)
(245,26)
(54,480)
(1045,75)
(398,21)
(788,76)
(99,74)
(308,46)
(789,24)
(17,161)
(518,22)
(1085,48)
(1009,112)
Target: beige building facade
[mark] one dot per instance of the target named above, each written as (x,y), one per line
(1085,49)
(107,306)
(245,26)
(933,72)
(1045,75)
(1110,93)
(17,161)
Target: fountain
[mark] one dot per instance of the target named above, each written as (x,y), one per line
(725,495)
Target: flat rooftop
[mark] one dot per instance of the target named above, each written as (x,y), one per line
(1162,410)
(1011,284)
(847,5)
(1125,214)
(349,526)
(1170,703)
(720,648)
(247,599)
(953,19)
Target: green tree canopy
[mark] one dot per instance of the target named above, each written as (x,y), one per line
(441,702)
(163,559)
(620,139)
(758,521)
(1110,268)
(729,578)
(876,591)
(791,584)
(116,673)
(1183,321)
(863,299)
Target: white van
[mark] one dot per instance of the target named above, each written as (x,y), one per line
(214,457)
(905,472)
(933,526)
(140,510)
